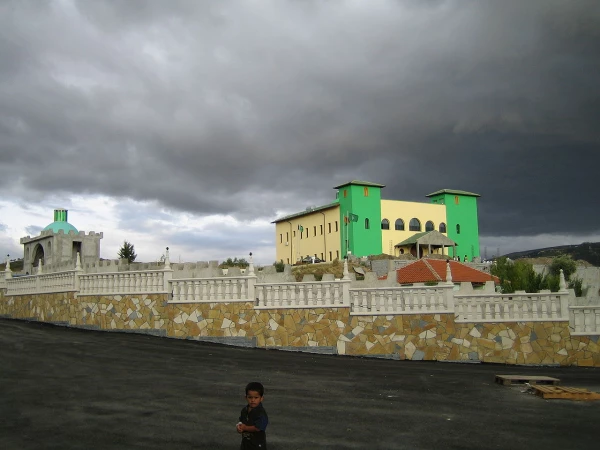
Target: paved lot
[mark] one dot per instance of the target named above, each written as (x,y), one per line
(71,389)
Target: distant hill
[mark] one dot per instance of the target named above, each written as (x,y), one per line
(588,251)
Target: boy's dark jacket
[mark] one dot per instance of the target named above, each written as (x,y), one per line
(258,418)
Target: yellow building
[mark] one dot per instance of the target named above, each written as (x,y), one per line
(361,223)
(401,225)
(314,232)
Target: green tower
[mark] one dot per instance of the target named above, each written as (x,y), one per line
(360,217)
(461,217)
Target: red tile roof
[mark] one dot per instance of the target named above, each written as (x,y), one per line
(425,270)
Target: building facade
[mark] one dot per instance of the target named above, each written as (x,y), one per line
(360,222)
(58,245)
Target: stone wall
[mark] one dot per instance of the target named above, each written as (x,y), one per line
(332,330)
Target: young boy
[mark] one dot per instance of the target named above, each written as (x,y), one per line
(253,419)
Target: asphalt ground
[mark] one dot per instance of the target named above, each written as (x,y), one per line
(65,388)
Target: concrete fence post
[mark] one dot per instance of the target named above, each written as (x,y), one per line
(167,273)
(7,271)
(252,288)
(78,271)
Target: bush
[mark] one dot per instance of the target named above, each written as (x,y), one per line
(564,262)
(242,263)
(279,266)
(577,285)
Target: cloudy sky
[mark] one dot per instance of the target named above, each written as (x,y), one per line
(194,124)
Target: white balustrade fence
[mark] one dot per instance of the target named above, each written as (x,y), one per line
(122,283)
(511,307)
(585,320)
(302,295)
(543,306)
(402,300)
(41,284)
(212,290)
(22,285)
(57,282)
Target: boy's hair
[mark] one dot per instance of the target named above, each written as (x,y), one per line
(255,386)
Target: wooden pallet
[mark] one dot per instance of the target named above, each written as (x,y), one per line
(564,392)
(522,379)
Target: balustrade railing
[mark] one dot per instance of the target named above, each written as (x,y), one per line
(585,320)
(122,283)
(550,306)
(212,290)
(22,285)
(302,295)
(402,300)
(40,284)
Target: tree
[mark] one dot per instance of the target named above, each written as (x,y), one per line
(516,276)
(235,262)
(520,276)
(127,251)
(564,262)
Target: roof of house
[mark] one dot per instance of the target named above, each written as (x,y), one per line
(307,211)
(360,183)
(454,192)
(427,237)
(425,270)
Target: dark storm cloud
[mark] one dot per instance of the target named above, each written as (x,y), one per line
(256,107)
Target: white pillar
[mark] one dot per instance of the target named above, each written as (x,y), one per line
(7,271)
(448,274)
(251,266)
(563,283)
(167,273)
(78,271)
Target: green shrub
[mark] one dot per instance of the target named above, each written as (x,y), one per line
(279,266)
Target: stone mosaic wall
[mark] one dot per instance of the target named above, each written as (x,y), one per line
(414,337)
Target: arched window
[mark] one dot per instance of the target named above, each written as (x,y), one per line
(399,225)
(414,225)
(457,229)
(366,224)
(442,227)
(429,226)
(385,224)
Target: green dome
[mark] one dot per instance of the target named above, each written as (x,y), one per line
(57,226)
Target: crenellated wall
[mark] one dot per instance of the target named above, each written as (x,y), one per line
(416,323)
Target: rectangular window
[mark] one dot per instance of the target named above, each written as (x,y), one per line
(337,254)
(280,238)
(302,235)
(366,191)
(294,233)
(345,193)
(330,256)
(288,260)
(456,199)
(329,224)
(321,255)
(307,233)
(287,236)
(336,226)
(321,226)
(315,230)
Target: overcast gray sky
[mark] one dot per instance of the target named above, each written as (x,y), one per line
(177,123)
